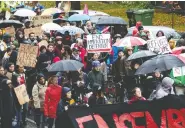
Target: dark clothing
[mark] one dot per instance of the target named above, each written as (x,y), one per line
(44,58)
(118,69)
(89,62)
(7,108)
(96,79)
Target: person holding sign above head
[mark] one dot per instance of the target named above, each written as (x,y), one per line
(160,33)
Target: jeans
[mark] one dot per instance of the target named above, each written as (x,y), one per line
(50,122)
(39,118)
(21,115)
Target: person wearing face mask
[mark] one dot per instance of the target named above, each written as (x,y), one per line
(32,40)
(95,77)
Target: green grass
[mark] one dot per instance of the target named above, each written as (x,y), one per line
(119,9)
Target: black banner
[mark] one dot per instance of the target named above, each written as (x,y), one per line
(168,112)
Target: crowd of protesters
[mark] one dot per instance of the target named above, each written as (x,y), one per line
(51,94)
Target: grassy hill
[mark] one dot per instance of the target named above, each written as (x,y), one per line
(119,9)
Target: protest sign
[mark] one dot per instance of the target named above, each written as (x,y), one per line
(10,30)
(178,71)
(36,30)
(27,55)
(168,112)
(159,45)
(40,20)
(98,43)
(21,94)
(43,43)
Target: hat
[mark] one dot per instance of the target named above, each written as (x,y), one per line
(6,35)
(65,90)
(117,35)
(56,59)
(39,76)
(167,83)
(96,63)
(75,49)
(140,28)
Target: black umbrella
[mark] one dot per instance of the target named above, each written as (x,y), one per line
(141,54)
(111,20)
(9,23)
(65,65)
(161,62)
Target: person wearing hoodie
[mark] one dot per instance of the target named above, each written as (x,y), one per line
(5,59)
(52,98)
(95,76)
(38,93)
(65,102)
(10,69)
(166,88)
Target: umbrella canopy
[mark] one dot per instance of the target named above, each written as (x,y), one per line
(178,50)
(141,54)
(91,12)
(130,41)
(94,19)
(71,29)
(111,20)
(161,62)
(51,11)
(78,17)
(9,23)
(65,65)
(50,26)
(23,12)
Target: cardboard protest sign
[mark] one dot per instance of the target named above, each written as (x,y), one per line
(36,30)
(98,43)
(40,20)
(10,30)
(43,43)
(27,55)
(159,45)
(21,94)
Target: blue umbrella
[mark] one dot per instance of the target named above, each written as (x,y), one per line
(79,17)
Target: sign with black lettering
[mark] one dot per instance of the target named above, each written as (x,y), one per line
(98,43)
(27,55)
(40,20)
(159,45)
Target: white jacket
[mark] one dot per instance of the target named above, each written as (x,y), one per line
(38,93)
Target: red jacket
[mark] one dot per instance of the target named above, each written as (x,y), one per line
(82,51)
(134,99)
(52,98)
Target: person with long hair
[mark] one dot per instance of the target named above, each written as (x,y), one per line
(52,98)
(137,95)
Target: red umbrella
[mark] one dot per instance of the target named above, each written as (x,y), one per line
(178,50)
(130,41)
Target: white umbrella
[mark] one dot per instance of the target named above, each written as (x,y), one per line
(72,30)
(23,12)
(51,26)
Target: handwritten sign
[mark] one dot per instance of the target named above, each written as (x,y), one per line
(98,43)
(10,30)
(43,43)
(40,20)
(27,55)
(21,94)
(36,30)
(159,45)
